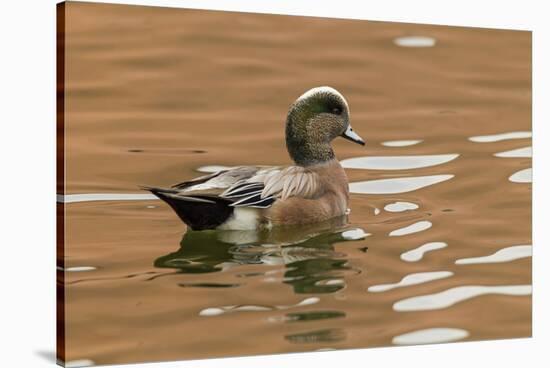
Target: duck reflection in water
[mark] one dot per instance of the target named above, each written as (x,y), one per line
(307,252)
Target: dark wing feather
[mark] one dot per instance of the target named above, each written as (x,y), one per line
(246,194)
(243,190)
(199,180)
(254,200)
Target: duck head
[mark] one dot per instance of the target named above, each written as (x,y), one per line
(313,121)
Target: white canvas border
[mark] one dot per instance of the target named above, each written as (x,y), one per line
(27,318)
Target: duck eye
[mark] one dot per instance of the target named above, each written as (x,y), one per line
(337,110)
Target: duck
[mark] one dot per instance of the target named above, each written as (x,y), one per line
(313,189)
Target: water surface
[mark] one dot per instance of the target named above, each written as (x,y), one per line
(156,96)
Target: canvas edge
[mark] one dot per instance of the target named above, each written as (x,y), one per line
(60,183)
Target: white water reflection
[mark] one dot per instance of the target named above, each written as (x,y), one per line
(209,312)
(411,229)
(504,255)
(213,168)
(396,185)
(522,176)
(403,143)
(330,282)
(500,137)
(415,41)
(355,234)
(78,269)
(417,254)
(412,279)
(396,162)
(431,336)
(520,152)
(400,206)
(455,295)
(91,197)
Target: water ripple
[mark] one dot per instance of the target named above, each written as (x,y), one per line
(522,176)
(329,335)
(500,137)
(90,197)
(415,41)
(396,185)
(413,228)
(307,316)
(78,269)
(418,253)
(208,285)
(503,255)
(216,311)
(412,279)
(431,336)
(519,152)
(403,143)
(355,234)
(400,207)
(397,162)
(455,295)
(213,168)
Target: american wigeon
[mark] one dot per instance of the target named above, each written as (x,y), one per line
(249,197)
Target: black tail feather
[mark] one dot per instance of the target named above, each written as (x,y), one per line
(198,212)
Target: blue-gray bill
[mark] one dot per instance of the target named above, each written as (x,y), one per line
(349,134)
